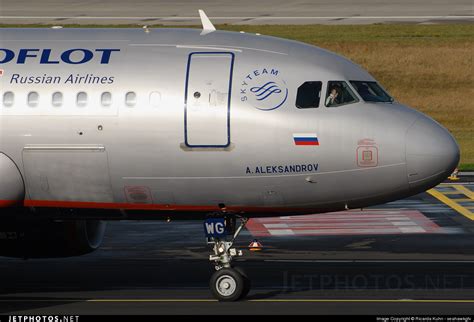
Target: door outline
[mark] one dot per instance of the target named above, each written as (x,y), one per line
(228,99)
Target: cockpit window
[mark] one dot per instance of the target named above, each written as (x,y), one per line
(339,93)
(371,91)
(308,95)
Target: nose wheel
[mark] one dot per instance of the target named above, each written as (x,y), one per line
(227,284)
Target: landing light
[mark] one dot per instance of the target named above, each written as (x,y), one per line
(221,249)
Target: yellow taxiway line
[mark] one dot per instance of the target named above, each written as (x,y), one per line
(465,191)
(452,202)
(291,300)
(256,301)
(450,193)
(363,300)
(153,300)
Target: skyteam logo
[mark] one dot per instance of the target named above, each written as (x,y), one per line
(264,89)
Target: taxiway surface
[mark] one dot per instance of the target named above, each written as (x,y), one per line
(162,268)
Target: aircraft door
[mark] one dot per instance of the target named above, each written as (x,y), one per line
(207,100)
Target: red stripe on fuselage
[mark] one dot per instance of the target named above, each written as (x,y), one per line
(163,207)
(110,205)
(9,203)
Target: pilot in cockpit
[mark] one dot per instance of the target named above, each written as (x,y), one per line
(333,98)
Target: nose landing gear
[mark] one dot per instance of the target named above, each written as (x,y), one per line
(227,283)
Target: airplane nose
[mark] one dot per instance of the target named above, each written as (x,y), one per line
(431,154)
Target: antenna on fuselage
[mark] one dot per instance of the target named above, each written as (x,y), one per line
(207,26)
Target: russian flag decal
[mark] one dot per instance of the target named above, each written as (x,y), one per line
(305,139)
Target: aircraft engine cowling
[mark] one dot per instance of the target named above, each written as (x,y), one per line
(40,238)
(12,188)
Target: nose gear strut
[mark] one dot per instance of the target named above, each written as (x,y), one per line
(227,283)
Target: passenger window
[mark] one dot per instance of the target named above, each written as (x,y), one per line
(33,99)
(339,93)
(8,99)
(155,99)
(308,95)
(106,99)
(57,99)
(130,99)
(81,99)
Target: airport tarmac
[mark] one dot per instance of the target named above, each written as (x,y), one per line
(165,12)
(426,267)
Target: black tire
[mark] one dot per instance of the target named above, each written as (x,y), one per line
(235,285)
(247,282)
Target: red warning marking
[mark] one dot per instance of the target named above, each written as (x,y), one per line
(138,195)
(367,222)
